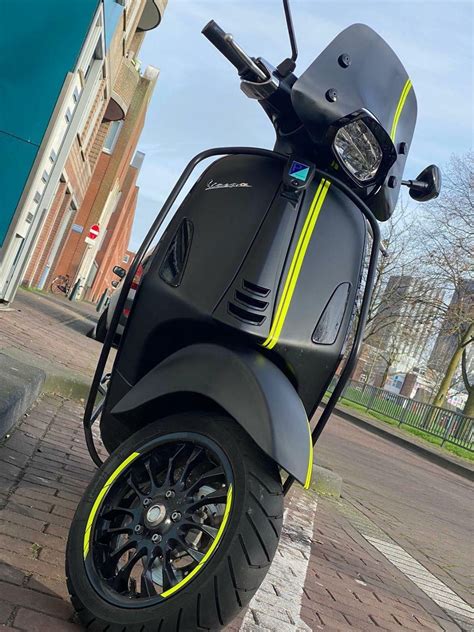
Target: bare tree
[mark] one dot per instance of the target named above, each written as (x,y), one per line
(469,405)
(446,239)
(397,236)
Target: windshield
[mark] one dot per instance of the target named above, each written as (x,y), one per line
(365,74)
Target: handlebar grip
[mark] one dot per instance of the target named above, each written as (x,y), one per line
(213,32)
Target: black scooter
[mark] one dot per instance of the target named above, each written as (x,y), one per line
(239,323)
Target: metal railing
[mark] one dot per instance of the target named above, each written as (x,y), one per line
(448,425)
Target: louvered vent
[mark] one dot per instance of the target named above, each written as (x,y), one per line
(246,306)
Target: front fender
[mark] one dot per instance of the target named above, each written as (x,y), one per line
(248,386)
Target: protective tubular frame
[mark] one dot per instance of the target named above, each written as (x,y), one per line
(91,415)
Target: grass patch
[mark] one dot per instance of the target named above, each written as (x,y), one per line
(449,447)
(34,290)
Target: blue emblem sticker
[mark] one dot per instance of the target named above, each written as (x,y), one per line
(299,171)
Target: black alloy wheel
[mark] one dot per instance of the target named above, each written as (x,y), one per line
(178,528)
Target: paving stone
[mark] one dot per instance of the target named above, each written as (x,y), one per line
(348,585)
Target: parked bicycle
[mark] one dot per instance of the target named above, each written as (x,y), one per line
(61,285)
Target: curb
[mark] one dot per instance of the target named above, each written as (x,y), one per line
(67,386)
(58,381)
(20,385)
(326,482)
(403,439)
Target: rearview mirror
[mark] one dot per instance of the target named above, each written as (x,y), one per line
(119,271)
(427,186)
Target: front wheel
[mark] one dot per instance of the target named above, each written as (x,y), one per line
(177,530)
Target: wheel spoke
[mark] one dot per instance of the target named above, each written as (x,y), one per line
(205,528)
(134,487)
(120,581)
(216,474)
(114,512)
(169,574)
(151,476)
(110,533)
(169,480)
(147,586)
(192,461)
(116,554)
(190,550)
(219,496)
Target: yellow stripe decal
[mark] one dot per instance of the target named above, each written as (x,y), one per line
(309,473)
(398,111)
(100,497)
(296,263)
(211,550)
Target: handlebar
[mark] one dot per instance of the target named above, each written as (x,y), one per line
(225,43)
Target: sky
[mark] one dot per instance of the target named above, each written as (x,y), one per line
(198,103)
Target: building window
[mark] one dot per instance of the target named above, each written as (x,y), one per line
(68,116)
(112,135)
(75,95)
(53,155)
(37,197)
(126,258)
(29,218)
(45,176)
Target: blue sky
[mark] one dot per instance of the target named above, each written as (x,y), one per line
(198,103)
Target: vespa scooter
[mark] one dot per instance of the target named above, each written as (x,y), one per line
(240,321)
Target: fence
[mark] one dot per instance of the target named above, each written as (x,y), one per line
(449,426)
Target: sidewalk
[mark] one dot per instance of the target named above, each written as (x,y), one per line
(50,333)
(326,575)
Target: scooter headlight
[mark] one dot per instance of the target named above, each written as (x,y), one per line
(363,148)
(358,150)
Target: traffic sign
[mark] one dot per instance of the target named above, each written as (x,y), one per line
(93,231)
(92,234)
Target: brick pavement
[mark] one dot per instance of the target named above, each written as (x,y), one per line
(42,331)
(44,468)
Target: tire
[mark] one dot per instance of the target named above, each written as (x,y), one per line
(101,327)
(226,578)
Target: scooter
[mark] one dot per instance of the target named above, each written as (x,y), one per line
(254,296)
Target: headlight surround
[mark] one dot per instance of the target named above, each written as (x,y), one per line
(363,148)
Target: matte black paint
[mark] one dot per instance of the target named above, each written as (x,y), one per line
(245,384)
(243,243)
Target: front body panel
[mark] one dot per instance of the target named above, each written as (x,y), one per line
(246,262)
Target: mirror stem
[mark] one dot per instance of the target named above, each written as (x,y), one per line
(288,65)
(415,185)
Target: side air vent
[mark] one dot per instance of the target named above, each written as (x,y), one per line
(174,263)
(250,301)
(255,289)
(245,315)
(247,304)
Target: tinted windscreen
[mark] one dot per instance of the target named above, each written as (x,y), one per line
(374,79)
(363,72)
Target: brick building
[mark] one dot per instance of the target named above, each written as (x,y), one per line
(94,183)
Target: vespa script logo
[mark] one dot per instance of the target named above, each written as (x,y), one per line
(212,185)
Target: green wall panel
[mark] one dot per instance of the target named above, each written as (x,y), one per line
(40,42)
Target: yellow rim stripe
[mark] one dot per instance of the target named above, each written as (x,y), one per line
(310,463)
(100,497)
(296,263)
(211,550)
(398,111)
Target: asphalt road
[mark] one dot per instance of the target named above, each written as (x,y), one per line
(426,509)
(77,315)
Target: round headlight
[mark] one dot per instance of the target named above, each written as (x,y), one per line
(357,149)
